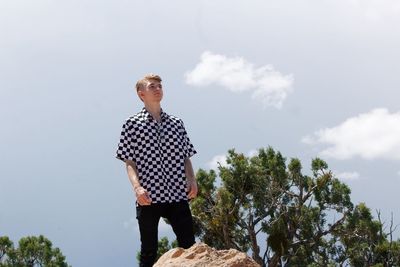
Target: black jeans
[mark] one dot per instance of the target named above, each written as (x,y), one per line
(180,218)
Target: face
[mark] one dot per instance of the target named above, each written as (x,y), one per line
(152,92)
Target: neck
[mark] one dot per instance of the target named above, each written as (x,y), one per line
(154,110)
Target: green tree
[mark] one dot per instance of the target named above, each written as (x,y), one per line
(32,251)
(304,217)
(6,246)
(363,240)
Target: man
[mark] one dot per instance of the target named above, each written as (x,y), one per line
(156,151)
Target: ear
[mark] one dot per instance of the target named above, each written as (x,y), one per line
(140,94)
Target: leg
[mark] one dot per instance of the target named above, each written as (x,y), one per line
(180,217)
(148,218)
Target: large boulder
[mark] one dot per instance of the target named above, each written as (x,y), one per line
(201,255)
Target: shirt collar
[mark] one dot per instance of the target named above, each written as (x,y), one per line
(147,116)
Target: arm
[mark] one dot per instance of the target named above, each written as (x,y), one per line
(142,196)
(191,179)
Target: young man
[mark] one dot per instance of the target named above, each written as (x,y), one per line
(156,151)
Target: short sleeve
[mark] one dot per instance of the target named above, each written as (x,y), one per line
(125,149)
(188,147)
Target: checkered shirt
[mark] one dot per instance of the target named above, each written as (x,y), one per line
(159,150)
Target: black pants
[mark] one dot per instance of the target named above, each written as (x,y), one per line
(180,218)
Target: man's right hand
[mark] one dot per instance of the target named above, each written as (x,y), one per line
(142,196)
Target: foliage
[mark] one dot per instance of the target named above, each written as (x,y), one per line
(301,220)
(32,251)
(364,242)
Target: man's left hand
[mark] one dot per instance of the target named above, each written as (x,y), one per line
(192,188)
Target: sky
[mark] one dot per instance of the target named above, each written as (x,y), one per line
(316,78)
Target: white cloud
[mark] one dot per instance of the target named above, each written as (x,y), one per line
(164,229)
(348,176)
(371,135)
(252,153)
(130,223)
(376,10)
(235,74)
(216,161)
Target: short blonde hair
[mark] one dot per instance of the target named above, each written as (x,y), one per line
(148,77)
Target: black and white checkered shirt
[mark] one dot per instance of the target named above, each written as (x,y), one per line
(159,150)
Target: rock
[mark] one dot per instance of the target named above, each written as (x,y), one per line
(201,255)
